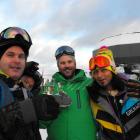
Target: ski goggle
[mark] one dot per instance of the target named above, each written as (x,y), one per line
(99,61)
(13,32)
(64,50)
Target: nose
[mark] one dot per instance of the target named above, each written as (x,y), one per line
(17,59)
(66,64)
(99,74)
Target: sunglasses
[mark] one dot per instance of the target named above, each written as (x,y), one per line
(15,33)
(64,50)
(99,61)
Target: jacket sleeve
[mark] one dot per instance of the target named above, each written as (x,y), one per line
(17,114)
(30,110)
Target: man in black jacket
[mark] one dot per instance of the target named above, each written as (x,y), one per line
(19,111)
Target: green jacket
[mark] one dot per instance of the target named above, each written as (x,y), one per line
(75,122)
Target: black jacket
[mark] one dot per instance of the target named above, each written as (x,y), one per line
(14,121)
(118,117)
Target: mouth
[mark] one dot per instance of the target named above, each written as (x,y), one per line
(68,70)
(15,68)
(102,81)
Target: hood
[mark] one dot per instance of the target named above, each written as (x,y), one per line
(79,76)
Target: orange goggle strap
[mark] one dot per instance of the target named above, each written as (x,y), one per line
(100,61)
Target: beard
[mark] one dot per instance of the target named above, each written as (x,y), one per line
(68,73)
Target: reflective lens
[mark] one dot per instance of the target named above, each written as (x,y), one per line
(64,50)
(12,32)
(99,61)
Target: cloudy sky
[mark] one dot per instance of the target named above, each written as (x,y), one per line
(78,23)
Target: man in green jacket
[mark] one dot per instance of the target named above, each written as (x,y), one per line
(76,121)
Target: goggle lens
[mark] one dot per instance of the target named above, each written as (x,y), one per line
(12,32)
(99,61)
(64,50)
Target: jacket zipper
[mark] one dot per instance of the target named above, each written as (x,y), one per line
(120,123)
(78,99)
(119,118)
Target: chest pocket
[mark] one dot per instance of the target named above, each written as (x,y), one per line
(131,106)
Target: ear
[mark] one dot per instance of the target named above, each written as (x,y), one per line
(57,63)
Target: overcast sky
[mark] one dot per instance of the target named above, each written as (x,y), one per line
(78,23)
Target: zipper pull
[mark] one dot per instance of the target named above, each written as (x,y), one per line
(78,99)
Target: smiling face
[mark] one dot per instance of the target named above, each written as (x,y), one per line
(102,76)
(12,62)
(67,66)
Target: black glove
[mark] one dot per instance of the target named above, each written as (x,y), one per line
(46,107)
(10,117)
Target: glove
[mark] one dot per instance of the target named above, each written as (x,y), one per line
(62,99)
(46,107)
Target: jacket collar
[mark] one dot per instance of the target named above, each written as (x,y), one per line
(2,73)
(79,76)
(10,82)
